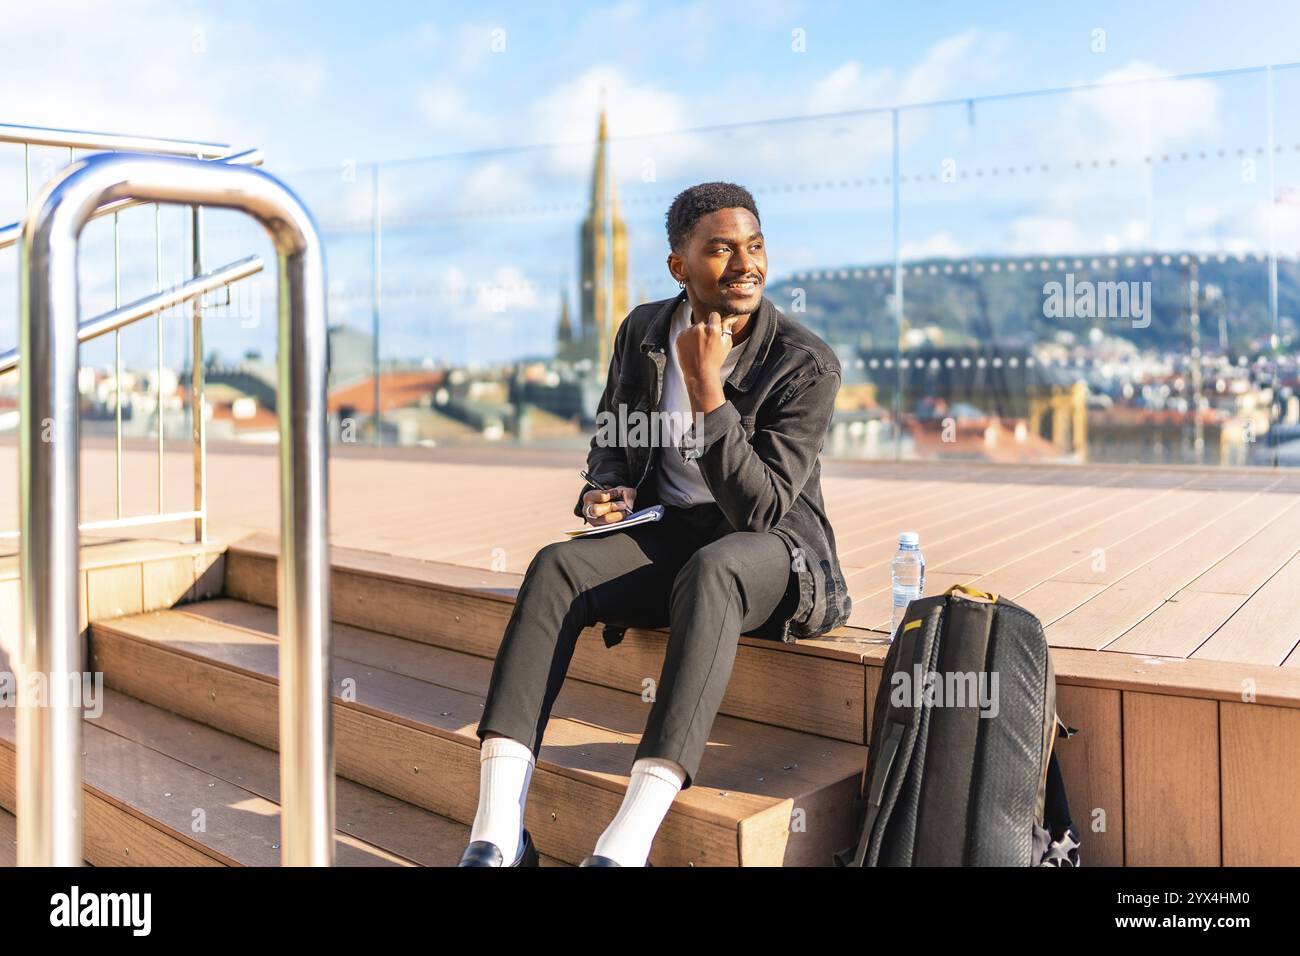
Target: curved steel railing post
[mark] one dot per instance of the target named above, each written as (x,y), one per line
(49,771)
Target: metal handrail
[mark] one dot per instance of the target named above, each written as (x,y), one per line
(152,304)
(10,234)
(49,762)
(81,139)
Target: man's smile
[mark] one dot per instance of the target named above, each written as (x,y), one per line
(743,286)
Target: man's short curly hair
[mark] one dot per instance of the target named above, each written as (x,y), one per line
(693,204)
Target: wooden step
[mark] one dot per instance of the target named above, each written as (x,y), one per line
(815,686)
(162,790)
(405,715)
(8,839)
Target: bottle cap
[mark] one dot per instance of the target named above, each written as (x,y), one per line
(909,539)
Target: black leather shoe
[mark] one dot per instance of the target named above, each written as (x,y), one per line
(597,860)
(487,853)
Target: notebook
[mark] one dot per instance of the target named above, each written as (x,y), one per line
(644,516)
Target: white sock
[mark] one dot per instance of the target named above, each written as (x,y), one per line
(505,770)
(651,791)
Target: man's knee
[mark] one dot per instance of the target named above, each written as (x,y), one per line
(552,563)
(714,568)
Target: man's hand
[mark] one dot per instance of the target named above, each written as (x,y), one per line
(702,348)
(606,507)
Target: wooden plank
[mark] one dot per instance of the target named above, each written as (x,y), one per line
(1120,606)
(947,552)
(426,767)
(1246,569)
(959,528)
(1261,776)
(1173,677)
(1265,629)
(407,663)
(1171,781)
(166,581)
(1135,550)
(807,692)
(940,518)
(114,832)
(10,616)
(1179,626)
(8,839)
(1022,572)
(1123,605)
(114,591)
(875,674)
(1092,768)
(590,737)
(209,576)
(359,595)
(1070,520)
(113,836)
(1168,676)
(366,816)
(112,553)
(154,810)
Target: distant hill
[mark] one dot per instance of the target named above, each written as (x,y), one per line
(851,305)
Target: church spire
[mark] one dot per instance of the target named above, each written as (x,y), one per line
(603,239)
(564,332)
(598,170)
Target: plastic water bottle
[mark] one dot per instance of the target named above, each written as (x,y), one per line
(908,570)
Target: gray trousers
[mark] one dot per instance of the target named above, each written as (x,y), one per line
(689,571)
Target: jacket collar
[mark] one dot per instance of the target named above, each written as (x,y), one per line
(754,350)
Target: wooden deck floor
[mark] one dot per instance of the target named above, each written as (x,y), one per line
(1201,564)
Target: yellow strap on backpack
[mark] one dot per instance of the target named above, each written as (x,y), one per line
(973,593)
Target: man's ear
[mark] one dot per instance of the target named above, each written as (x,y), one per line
(675,267)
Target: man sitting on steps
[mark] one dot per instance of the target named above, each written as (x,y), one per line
(744,546)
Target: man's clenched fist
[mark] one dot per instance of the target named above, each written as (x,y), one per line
(606,507)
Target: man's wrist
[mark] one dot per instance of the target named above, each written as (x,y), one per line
(707,428)
(705,394)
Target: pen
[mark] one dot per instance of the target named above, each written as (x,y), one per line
(592,481)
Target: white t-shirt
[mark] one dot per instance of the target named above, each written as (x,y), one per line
(680,482)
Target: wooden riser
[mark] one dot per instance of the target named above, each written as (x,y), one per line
(8,839)
(161,790)
(817,687)
(405,721)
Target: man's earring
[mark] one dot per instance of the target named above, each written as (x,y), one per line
(681,285)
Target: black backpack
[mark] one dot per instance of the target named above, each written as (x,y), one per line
(960,766)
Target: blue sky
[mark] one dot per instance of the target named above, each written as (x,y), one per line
(326,88)
(315,83)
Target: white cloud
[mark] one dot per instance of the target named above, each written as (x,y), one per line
(508,289)
(442,105)
(567,114)
(960,63)
(151,68)
(1157,113)
(1128,119)
(1045,235)
(936,245)
(494,184)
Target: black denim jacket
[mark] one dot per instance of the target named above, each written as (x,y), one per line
(758,451)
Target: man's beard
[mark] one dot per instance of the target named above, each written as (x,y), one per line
(719,303)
